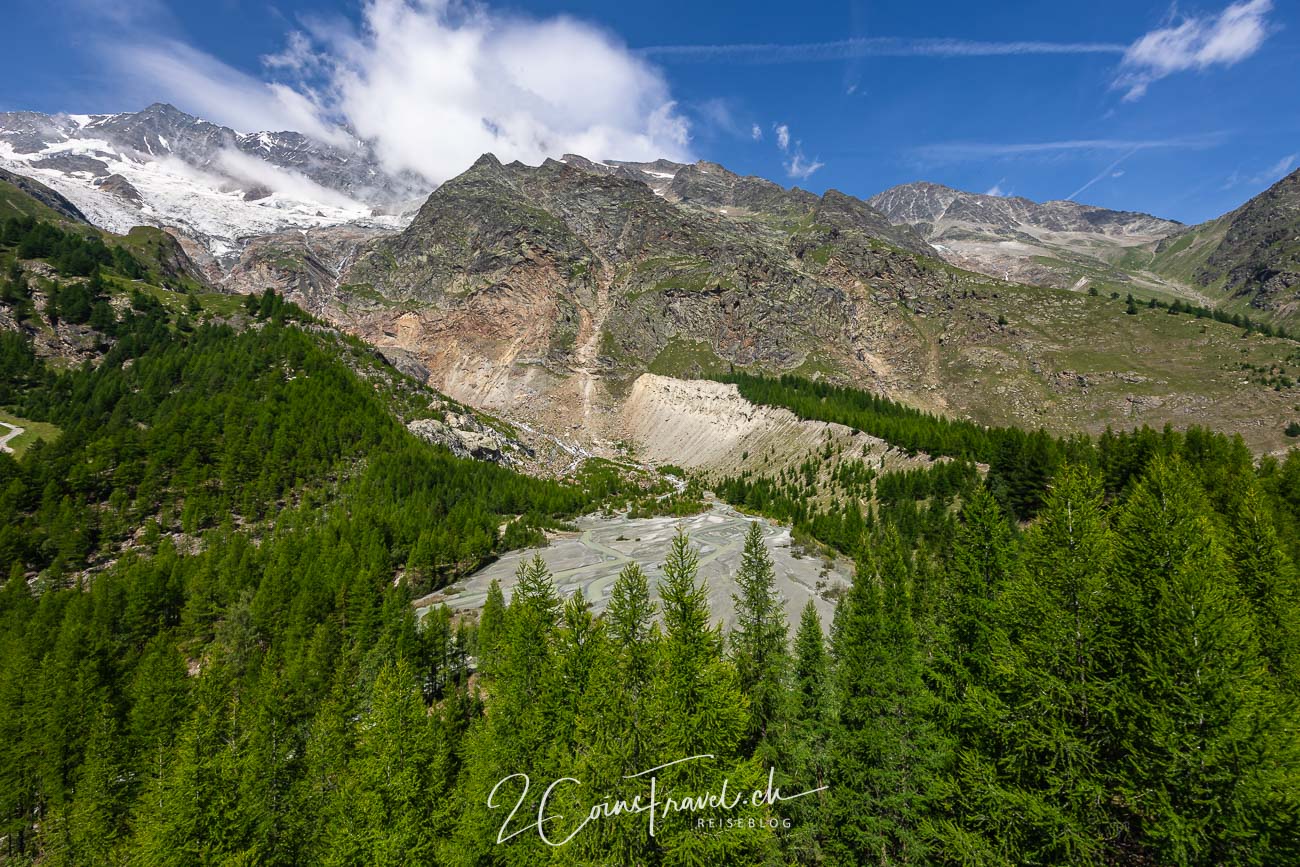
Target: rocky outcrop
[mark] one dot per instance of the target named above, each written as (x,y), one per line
(116,185)
(1259,256)
(467,437)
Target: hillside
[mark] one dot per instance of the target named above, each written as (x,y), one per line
(1250,258)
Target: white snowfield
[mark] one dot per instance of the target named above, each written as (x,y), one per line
(204,205)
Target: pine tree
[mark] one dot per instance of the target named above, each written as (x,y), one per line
(88,830)
(636,640)
(579,642)
(525,703)
(813,717)
(616,728)
(1034,785)
(699,711)
(395,782)
(981,563)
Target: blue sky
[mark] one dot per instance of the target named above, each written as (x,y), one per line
(1183,111)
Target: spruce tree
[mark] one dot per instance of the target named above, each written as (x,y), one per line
(395,783)
(981,563)
(617,730)
(1032,782)
(491,624)
(813,719)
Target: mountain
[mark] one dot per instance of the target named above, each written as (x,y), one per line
(1249,258)
(545,292)
(1060,243)
(163,167)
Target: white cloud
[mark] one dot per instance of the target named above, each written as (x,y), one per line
(1275,171)
(996,189)
(756,132)
(1194,43)
(800,166)
(1266,177)
(203,85)
(947,152)
(797,166)
(434,84)
(252,172)
(877,46)
(783,136)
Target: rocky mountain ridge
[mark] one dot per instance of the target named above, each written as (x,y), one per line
(543,292)
(163,167)
(1058,243)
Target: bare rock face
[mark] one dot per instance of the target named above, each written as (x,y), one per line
(116,185)
(467,437)
(305,262)
(1259,257)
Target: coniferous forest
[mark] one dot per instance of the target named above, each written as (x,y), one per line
(1054,651)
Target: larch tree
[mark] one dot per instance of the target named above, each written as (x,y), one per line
(758,641)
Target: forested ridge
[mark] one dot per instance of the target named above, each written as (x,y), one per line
(208,653)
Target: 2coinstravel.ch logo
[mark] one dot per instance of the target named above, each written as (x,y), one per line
(556,829)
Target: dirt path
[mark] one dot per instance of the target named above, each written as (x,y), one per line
(14,431)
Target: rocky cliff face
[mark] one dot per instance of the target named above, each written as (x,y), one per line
(26,191)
